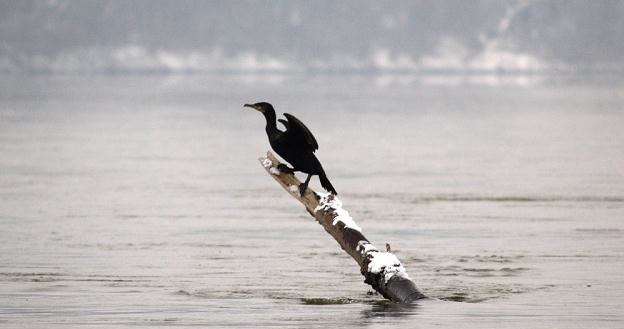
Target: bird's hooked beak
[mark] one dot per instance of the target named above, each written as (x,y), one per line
(254,106)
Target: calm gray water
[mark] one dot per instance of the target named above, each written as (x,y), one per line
(139,201)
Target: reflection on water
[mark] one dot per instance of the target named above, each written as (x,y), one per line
(388,309)
(131,201)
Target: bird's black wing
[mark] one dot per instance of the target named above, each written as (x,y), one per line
(299,132)
(284,122)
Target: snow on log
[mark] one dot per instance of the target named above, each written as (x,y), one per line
(382,270)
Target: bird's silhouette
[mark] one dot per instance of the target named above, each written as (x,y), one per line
(296,145)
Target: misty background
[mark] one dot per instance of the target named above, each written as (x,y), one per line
(160,36)
(481,139)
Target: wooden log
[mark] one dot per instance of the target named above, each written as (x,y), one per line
(382,270)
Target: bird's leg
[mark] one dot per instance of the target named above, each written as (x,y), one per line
(303,186)
(285,169)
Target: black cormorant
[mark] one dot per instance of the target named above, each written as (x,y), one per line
(295,145)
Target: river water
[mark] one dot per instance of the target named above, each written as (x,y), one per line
(139,201)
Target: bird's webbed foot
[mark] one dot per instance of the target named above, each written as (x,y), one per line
(302,188)
(285,169)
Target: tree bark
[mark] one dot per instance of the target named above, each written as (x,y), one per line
(382,270)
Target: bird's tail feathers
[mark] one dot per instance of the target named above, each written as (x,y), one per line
(326,184)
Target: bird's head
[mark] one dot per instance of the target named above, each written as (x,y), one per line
(263,107)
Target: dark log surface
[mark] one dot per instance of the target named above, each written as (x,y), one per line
(382,270)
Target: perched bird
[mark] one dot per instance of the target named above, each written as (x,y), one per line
(295,145)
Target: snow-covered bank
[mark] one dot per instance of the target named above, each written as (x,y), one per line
(447,59)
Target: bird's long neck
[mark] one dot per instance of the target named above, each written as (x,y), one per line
(271,125)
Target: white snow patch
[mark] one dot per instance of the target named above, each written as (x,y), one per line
(387,264)
(494,57)
(253,62)
(384,263)
(329,202)
(173,62)
(293,188)
(385,60)
(134,57)
(274,171)
(266,162)
(364,247)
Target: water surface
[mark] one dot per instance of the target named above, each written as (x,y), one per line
(138,201)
